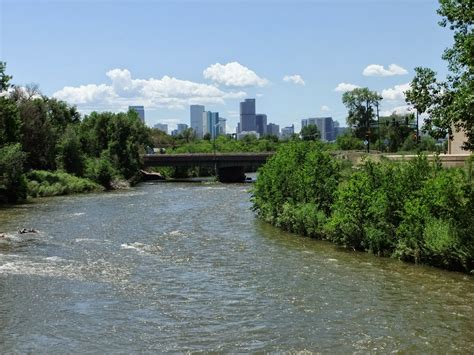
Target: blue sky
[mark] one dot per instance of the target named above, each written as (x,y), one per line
(105,55)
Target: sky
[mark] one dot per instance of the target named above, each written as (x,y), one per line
(295,57)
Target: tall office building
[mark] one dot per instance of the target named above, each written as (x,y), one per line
(325,126)
(247,116)
(273,129)
(162,127)
(181,127)
(287,132)
(222,126)
(261,124)
(140,110)
(210,123)
(196,112)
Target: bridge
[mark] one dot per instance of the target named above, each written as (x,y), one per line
(230,167)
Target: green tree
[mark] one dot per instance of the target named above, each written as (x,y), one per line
(310,133)
(12,178)
(9,118)
(70,156)
(4,78)
(450,103)
(361,104)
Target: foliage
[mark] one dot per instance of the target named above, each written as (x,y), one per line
(9,121)
(12,180)
(415,210)
(348,141)
(301,179)
(450,103)
(101,170)
(122,135)
(404,210)
(44,183)
(70,157)
(361,103)
(4,78)
(310,133)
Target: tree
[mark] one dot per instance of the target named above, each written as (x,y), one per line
(450,104)
(12,178)
(361,103)
(70,156)
(4,78)
(310,133)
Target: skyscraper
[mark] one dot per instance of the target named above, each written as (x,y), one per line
(210,123)
(287,132)
(196,112)
(140,110)
(162,127)
(181,127)
(247,115)
(325,126)
(261,124)
(273,129)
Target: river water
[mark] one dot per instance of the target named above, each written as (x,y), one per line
(175,267)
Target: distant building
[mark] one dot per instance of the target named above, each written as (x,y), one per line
(222,126)
(140,110)
(238,129)
(196,112)
(273,129)
(210,123)
(181,127)
(162,127)
(325,126)
(261,124)
(247,115)
(174,132)
(287,132)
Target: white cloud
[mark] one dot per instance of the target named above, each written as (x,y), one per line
(233,74)
(343,87)
(325,108)
(166,92)
(295,79)
(401,110)
(233,114)
(396,93)
(379,70)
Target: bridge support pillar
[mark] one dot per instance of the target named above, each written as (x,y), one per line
(231,174)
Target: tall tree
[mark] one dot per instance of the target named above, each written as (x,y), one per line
(450,104)
(361,104)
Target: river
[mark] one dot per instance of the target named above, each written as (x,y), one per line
(175,267)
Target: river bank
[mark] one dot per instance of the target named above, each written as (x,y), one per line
(414,211)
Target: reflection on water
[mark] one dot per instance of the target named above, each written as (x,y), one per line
(182,267)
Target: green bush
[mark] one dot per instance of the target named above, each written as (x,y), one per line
(45,183)
(101,170)
(297,184)
(415,210)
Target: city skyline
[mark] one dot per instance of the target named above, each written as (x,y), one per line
(296,60)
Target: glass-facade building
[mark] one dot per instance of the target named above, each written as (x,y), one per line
(140,110)
(247,116)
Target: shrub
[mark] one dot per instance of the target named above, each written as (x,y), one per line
(44,183)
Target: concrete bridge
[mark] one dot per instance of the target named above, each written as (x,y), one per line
(230,167)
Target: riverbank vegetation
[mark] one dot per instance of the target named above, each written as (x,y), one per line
(47,148)
(414,211)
